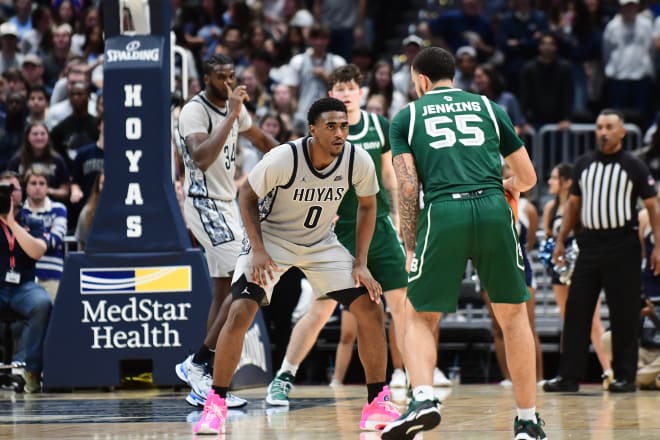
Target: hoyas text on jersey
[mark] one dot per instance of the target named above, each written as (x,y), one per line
(318,194)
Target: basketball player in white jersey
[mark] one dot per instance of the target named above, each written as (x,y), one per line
(287,205)
(209,126)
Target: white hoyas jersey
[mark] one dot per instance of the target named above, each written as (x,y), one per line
(298,203)
(199,115)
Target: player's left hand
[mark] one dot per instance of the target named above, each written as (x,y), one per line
(362,276)
(262,268)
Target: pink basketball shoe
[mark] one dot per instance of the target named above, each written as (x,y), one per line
(213,416)
(379,412)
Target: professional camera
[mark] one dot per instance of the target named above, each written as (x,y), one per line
(5,197)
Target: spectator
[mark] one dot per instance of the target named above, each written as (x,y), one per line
(412,44)
(629,66)
(309,73)
(377,104)
(87,165)
(42,20)
(79,128)
(546,87)
(15,82)
(66,12)
(53,215)
(90,18)
(84,224)
(466,64)
(345,19)
(519,35)
(489,82)
(56,58)
(36,148)
(234,46)
(9,55)
(93,47)
(583,43)
(258,96)
(610,254)
(12,127)
(37,104)
(33,70)
(23,19)
(273,124)
(284,105)
(380,82)
(464,27)
(21,245)
(262,61)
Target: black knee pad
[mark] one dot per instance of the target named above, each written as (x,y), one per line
(347,296)
(242,289)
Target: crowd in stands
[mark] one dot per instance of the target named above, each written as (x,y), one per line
(545,62)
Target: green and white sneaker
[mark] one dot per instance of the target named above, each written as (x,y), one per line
(278,390)
(528,430)
(420,416)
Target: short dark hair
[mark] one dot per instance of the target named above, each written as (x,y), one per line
(344,74)
(612,111)
(38,89)
(217,59)
(436,63)
(324,105)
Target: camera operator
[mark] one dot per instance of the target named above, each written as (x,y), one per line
(21,244)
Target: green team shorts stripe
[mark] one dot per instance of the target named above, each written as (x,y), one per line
(386,259)
(450,232)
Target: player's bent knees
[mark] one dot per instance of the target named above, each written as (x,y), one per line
(243,289)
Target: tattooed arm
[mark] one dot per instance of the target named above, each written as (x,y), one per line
(406,175)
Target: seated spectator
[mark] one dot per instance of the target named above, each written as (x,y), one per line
(21,245)
(33,70)
(86,217)
(37,104)
(12,127)
(650,154)
(78,129)
(377,104)
(466,26)
(284,104)
(9,54)
(42,20)
(22,19)
(86,166)
(518,37)
(59,110)
(412,44)
(258,96)
(380,82)
(53,215)
(36,148)
(466,63)
(488,82)
(56,57)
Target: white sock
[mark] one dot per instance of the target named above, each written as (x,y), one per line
(288,368)
(527,414)
(423,392)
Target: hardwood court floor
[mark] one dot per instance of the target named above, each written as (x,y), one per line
(321,413)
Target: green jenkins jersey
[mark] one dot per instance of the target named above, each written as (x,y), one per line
(456,138)
(370,134)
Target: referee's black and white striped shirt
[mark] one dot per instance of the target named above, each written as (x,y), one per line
(609,186)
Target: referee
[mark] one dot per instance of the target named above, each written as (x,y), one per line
(606,186)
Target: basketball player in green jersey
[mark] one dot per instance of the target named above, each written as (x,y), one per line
(449,142)
(386,257)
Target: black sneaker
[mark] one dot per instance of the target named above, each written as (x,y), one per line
(528,430)
(420,416)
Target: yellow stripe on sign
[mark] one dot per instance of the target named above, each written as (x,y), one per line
(163,279)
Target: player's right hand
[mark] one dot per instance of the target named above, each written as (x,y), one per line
(363,277)
(262,268)
(236,98)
